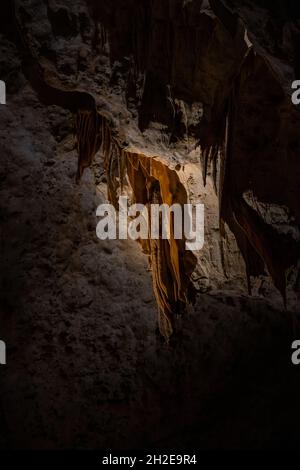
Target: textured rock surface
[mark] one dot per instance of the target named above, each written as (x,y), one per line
(87,366)
(125,63)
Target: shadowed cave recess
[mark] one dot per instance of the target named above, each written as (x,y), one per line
(124,344)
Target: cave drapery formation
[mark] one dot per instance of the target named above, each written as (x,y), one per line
(157,79)
(151,182)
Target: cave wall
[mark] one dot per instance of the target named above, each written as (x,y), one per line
(158,74)
(176,82)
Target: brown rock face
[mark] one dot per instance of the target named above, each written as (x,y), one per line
(170,76)
(166,101)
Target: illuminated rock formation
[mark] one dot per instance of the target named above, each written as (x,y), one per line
(148,82)
(161,100)
(151,182)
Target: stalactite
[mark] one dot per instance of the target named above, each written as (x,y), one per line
(151,182)
(265,241)
(162,278)
(254,263)
(258,241)
(88,132)
(215,135)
